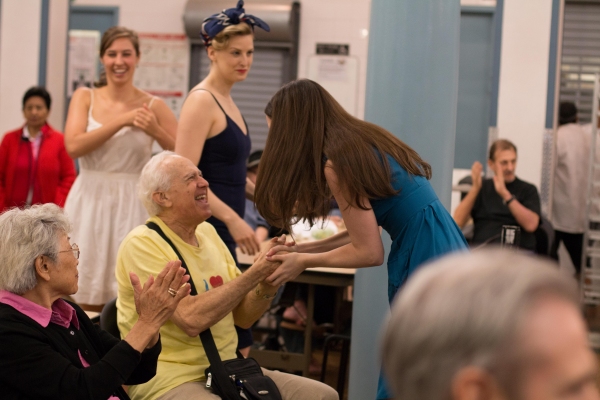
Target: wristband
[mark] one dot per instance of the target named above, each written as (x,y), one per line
(263,296)
(507,202)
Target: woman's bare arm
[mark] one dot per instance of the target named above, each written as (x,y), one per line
(364,249)
(198,115)
(78,142)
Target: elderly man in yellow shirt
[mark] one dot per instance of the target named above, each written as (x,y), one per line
(175,195)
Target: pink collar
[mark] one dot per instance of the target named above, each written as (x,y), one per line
(62,313)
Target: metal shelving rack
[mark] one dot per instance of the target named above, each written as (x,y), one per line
(590,273)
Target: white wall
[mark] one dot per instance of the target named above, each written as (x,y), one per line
(341,22)
(19,57)
(147,15)
(524,80)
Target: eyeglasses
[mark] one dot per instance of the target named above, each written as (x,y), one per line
(74,249)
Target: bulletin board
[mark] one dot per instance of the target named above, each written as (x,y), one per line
(339,76)
(163,70)
(82,68)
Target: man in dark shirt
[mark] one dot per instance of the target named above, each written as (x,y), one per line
(501,200)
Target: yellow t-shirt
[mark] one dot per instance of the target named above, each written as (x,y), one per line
(210,264)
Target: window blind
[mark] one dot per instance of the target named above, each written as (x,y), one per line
(580,59)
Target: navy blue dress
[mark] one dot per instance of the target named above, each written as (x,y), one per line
(223,165)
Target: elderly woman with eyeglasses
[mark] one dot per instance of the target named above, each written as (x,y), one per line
(49,347)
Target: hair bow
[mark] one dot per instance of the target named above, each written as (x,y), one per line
(230,16)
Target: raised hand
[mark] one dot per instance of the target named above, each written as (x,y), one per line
(476,171)
(500,186)
(129,117)
(145,119)
(156,301)
(244,236)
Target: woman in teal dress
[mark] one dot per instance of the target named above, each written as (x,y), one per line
(315,150)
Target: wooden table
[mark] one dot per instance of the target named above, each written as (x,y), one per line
(335,277)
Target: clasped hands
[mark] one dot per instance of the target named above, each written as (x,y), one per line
(284,260)
(143,118)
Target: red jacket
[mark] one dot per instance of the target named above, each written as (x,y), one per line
(55,170)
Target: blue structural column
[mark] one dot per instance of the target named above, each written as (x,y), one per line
(412,85)
(552,57)
(44,42)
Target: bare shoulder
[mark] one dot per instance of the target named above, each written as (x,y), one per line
(162,111)
(201,96)
(83,96)
(200,103)
(155,103)
(144,97)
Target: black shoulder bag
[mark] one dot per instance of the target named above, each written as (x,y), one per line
(236,379)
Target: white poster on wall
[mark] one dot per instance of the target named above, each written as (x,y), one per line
(83,64)
(163,70)
(339,76)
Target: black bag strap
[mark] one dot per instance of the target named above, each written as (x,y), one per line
(158,230)
(206,336)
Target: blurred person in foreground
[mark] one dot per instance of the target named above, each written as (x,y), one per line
(50,348)
(34,165)
(489,325)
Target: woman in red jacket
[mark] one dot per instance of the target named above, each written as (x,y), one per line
(34,165)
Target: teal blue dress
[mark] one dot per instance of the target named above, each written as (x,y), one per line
(421,230)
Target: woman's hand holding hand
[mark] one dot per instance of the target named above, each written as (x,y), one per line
(154,302)
(244,236)
(267,267)
(292,265)
(291,261)
(145,119)
(282,245)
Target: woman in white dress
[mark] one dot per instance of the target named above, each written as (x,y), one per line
(111,129)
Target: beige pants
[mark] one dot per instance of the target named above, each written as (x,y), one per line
(291,387)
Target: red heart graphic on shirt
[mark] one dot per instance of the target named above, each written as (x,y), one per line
(216,281)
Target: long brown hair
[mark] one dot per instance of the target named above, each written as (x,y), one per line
(307,126)
(113,33)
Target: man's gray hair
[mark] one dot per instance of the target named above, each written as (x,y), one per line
(465,310)
(26,234)
(155,178)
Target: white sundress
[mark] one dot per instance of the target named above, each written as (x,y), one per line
(103,207)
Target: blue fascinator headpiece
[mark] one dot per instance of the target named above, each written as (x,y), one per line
(214,24)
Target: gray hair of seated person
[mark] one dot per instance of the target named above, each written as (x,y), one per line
(26,234)
(155,178)
(466,310)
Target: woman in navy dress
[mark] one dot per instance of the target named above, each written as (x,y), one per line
(213,134)
(315,151)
